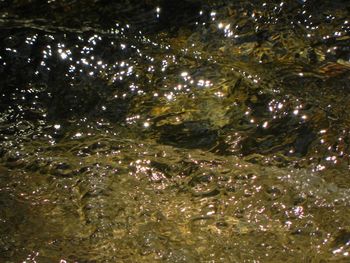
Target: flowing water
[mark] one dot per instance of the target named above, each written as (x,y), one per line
(174,131)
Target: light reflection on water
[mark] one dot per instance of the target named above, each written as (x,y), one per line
(221,138)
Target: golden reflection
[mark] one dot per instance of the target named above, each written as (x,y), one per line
(156,78)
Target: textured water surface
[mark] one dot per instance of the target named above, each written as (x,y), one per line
(155,131)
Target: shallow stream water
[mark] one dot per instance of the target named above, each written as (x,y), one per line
(174,131)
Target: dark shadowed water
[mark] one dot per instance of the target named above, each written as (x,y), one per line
(174,131)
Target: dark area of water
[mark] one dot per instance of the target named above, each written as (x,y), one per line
(174,131)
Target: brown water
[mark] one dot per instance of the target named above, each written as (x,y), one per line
(155,131)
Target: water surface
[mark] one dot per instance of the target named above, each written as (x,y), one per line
(155,131)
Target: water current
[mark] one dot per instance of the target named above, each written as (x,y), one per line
(174,131)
